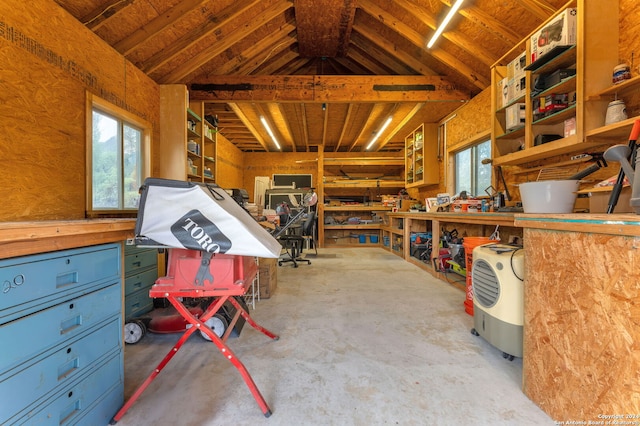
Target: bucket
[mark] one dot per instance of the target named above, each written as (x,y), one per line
(373,239)
(549,196)
(363,238)
(469,243)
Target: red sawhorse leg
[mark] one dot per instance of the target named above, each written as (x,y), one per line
(199,324)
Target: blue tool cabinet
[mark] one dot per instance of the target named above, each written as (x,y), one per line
(61,331)
(140,273)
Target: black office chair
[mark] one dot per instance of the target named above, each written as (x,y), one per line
(294,243)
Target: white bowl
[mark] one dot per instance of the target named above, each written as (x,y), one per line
(549,196)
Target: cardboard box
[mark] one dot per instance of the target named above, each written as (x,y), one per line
(599,199)
(515,68)
(503,93)
(560,31)
(569,127)
(268,276)
(514,116)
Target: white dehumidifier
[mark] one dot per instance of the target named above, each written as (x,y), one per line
(498,296)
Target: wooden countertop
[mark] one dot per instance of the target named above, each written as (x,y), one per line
(498,218)
(23,238)
(613,224)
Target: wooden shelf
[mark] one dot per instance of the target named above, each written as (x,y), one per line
(612,133)
(561,146)
(358,207)
(562,57)
(514,134)
(557,117)
(364,183)
(370,226)
(564,86)
(627,85)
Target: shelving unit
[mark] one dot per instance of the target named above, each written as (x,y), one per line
(421,156)
(206,138)
(187,140)
(361,181)
(591,84)
(366,232)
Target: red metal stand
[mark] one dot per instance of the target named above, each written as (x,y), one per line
(229,276)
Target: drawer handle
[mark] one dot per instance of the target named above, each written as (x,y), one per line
(70,324)
(138,263)
(66,279)
(67,368)
(70,410)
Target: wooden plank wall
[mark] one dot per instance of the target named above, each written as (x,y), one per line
(230,164)
(581,355)
(53,60)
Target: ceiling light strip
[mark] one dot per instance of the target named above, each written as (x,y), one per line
(382,129)
(266,126)
(444,23)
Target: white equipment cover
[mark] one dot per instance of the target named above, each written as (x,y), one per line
(199,216)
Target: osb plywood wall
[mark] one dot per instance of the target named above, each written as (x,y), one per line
(269,163)
(229,164)
(581,354)
(50,61)
(470,121)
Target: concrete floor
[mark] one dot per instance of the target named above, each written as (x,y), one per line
(365,339)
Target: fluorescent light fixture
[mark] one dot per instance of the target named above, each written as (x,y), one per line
(444,23)
(266,126)
(375,138)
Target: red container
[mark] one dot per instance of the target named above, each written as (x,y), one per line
(469,243)
(223,274)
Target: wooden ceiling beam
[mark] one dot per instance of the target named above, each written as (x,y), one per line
(313,88)
(540,8)
(160,23)
(367,129)
(280,62)
(416,39)
(365,38)
(360,55)
(394,63)
(192,64)
(234,11)
(419,39)
(98,17)
(258,53)
(241,115)
(399,125)
(343,131)
(482,19)
(355,67)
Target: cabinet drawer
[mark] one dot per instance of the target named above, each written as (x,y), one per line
(32,335)
(138,303)
(141,260)
(142,281)
(32,283)
(30,382)
(91,401)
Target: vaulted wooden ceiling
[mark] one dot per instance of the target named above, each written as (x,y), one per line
(224,51)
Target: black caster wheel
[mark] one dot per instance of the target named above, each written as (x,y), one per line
(474,332)
(134,331)
(295,265)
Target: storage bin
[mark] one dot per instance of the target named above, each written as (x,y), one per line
(373,239)
(362,238)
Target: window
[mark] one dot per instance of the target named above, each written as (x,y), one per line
(471,175)
(118,159)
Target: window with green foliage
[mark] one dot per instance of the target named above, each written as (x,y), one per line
(118,163)
(471,175)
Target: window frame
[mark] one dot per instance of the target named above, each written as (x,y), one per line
(469,145)
(96,103)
